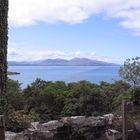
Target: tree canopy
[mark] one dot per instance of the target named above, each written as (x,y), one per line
(130,71)
(3,53)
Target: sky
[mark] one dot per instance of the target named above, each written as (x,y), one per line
(105,30)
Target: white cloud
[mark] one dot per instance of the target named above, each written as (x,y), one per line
(28,12)
(12,52)
(14,55)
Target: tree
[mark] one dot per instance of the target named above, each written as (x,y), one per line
(14,95)
(3,49)
(130,71)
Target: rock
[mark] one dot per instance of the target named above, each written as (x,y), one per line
(53,125)
(75,128)
(67,126)
(10,135)
(112,134)
(137,126)
(109,118)
(38,135)
(72,121)
(82,121)
(35,125)
(95,121)
(13,136)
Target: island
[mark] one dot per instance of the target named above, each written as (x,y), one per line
(13,73)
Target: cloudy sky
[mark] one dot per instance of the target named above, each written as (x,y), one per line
(107,30)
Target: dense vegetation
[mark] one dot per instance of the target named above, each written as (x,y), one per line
(46,100)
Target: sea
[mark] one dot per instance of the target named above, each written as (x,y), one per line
(94,74)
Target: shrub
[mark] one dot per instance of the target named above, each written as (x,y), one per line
(20,120)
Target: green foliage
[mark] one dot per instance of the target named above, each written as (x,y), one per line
(52,100)
(136,97)
(14,95)
(3,54)
(131,71)
(71,107)
(20,120)
(123,96)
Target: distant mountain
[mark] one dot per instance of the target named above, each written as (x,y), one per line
(62,62)
(88,62)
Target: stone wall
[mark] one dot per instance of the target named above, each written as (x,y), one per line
(68,128)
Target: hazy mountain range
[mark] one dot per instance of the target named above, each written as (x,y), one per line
(62,62)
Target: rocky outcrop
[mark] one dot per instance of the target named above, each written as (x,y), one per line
(70,128)
(13,136)
(75,128)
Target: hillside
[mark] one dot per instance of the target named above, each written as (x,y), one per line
(62,62)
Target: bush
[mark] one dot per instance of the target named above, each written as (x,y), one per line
(20,120)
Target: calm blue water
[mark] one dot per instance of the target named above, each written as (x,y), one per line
(28,74)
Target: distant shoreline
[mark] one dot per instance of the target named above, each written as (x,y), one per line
(13,73)
(70,65)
